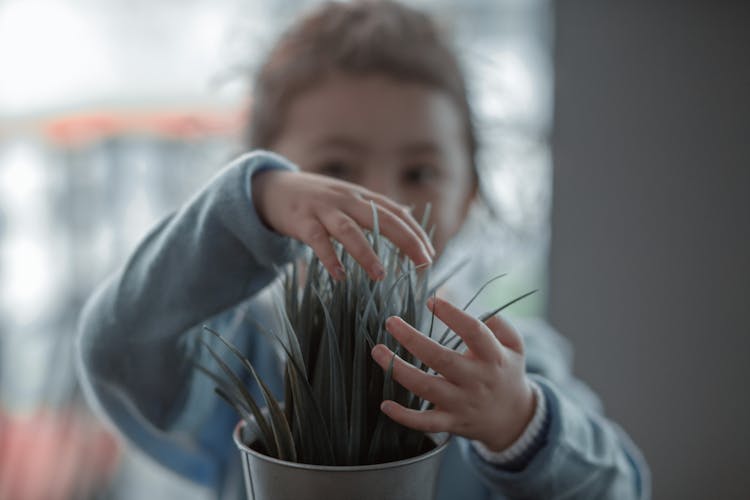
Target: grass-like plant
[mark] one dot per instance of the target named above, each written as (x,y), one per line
(332,387)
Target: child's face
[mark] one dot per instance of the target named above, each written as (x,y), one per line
(403,140)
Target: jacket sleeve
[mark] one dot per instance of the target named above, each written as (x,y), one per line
(133,343)
(582,454)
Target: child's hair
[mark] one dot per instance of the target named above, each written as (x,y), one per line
(363,37)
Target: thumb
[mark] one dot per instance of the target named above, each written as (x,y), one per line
(505,333)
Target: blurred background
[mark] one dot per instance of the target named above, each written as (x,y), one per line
(616,150)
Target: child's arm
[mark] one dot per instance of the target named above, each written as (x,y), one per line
(485,395)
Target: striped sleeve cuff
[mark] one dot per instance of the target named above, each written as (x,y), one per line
(524,447)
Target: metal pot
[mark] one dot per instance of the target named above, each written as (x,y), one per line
(269,478)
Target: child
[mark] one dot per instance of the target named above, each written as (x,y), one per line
(360,102)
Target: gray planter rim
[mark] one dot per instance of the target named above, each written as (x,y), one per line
(441,440)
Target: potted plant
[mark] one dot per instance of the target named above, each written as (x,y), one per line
(329,439)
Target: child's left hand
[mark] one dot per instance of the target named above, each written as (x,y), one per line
(481,394)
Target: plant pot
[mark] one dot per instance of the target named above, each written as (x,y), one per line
(269,478)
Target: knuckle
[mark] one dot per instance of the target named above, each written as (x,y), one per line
(346,227)
(411,243)
(486,383)
(443,359)
(424,389)
(399,370)
(521,345)
(403,211)
(315,233)
(477,384)
(407,340)
(296,208)
(388,215)
(484,388)
(448,422)
(476,328)
(432,425)
(460,426)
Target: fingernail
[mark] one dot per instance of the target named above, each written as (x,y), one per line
(426,254)
(385,405)
(428,245)
(378,271)
(339,273)
(431,302)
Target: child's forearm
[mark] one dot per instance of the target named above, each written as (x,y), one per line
(208,256)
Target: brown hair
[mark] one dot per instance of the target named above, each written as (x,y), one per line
(362,37)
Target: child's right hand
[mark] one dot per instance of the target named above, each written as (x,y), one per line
(314,208)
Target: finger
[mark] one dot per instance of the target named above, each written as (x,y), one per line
(476,335)
(316,236)
(344,229)
(433,388)
(425,421)
(395,229)
(445,361)
(505,333)
(408,239)
(402,212)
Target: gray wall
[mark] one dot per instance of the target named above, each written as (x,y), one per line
(650,254)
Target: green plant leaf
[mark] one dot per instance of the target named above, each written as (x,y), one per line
(375,228)
(251,421)
(307,331)
(488,315)
(358,405)
(332,387)
(309,424)
(228,393)
(426,216)
(384,446)
(384,310)
(281,431)
(338,419)
(444,337)
(457,342)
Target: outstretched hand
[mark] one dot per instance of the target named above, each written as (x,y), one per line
(482,394)
(314,209)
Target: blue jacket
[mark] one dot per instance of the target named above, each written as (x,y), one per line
(212,262)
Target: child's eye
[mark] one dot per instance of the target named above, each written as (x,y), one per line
(337,169)
(417,175)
